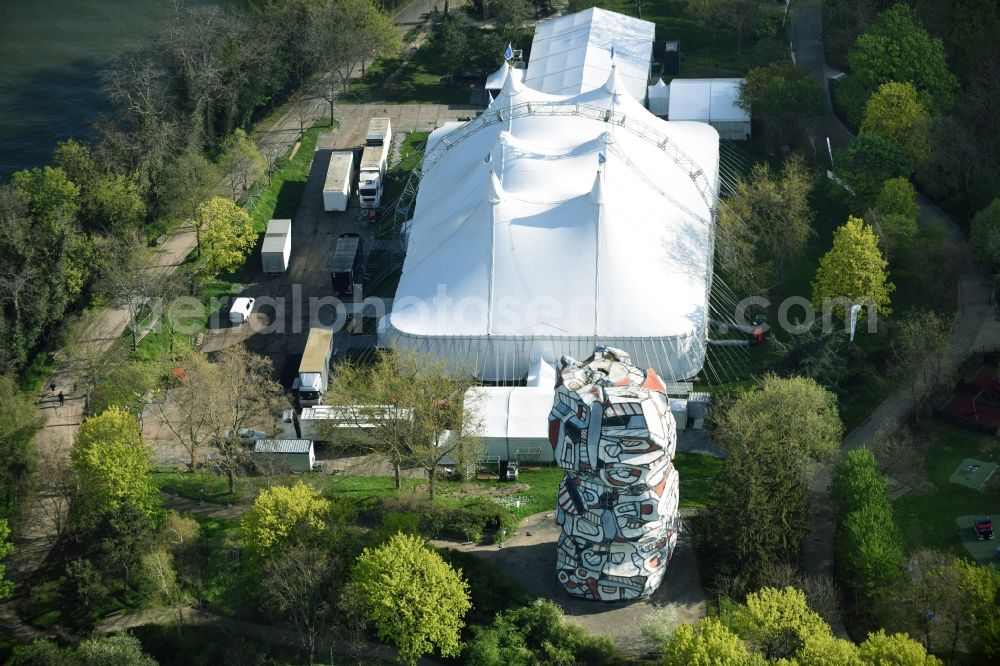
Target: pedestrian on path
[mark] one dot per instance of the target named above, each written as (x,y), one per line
(62,398)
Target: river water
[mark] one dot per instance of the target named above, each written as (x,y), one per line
(51,56)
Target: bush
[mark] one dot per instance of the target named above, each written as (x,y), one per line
(478,521)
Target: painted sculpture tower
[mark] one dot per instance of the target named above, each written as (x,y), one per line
(613,433)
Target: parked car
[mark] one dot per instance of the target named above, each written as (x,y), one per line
(240,312)
(984,529)
(246,435)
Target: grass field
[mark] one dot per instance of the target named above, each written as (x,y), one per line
(696,472)
(927,519)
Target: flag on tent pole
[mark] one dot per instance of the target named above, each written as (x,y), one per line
(489,98)
(612,51)
(509,53)
(854,318)
(601,159)
(489,158)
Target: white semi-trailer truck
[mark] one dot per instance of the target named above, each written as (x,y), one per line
(374,158)
(314,369)
(277,247)
(339,181)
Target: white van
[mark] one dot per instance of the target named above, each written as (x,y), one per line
(240,312)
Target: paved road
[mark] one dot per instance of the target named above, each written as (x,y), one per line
(976,323)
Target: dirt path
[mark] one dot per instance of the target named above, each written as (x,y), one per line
(976,324)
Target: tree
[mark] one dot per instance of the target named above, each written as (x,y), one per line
(777,622)
(227,233)
(128,281)
(122,536)
(740,15)
(451,41)
(19,420)
(920,349)
(853,272)
(536,634)
(111,650)
(185,405)
(412,597)
(824,649)
(708,643)
(870,160)
(243,394)
(6,586)
(81,590)
(784,97)
(282,517)
(773,437)
(406,401)
(895,214)
(511,13)
(985,236)
(159,582)
(112,466)
(121,649)
(241,162)
(857,482)
(868,553)
(895,650)
(188,181)
(342,52)
(795,413)
(300,586)
(895,47)
(109,203)
(893,111)
(898,196)
(764,224)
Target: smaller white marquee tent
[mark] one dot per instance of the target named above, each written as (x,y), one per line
(514,421)
(658,97)
(712,101)
(496,80)
(571,54)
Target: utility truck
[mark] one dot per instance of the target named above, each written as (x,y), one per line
(374,158)
(314,369)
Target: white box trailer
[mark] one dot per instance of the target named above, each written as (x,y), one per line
(320,422)
(277,248)
(314,369)
(339,181)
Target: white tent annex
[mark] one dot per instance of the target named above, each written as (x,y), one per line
(551,224)
(658,98)
(495,81)
(571,54)
(712,101)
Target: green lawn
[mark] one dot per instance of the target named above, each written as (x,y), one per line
(696,473)
(927,519)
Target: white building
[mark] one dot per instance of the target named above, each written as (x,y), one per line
(571,54)
(712,101)
(554,223)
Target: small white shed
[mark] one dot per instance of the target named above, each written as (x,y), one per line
(712,101)
(292,455)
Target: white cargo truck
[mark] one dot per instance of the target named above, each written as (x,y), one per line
(314,369)
(374,159)
(339,181)
(277,248)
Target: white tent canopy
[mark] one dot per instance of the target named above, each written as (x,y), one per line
(495,81)
(571,54)
(546,234)
(713,101)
